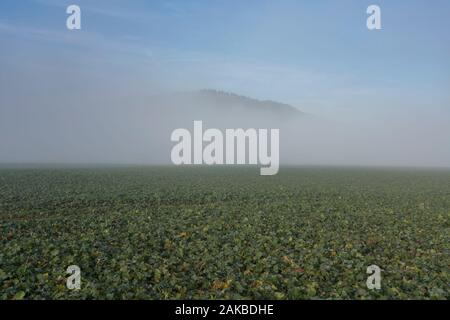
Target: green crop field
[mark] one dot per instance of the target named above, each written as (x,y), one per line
(204,233)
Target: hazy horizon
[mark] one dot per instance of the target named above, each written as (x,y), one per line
(378,98)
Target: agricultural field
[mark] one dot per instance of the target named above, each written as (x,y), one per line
(224,233)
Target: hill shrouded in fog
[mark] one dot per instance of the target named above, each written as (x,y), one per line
(233,102)
(220,108)
(114,130)
(109,128)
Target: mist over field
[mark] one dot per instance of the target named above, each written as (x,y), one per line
(109,128)
(114,91)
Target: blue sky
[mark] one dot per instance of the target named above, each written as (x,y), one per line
(317,55)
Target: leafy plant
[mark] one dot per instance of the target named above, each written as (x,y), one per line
(204,233)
